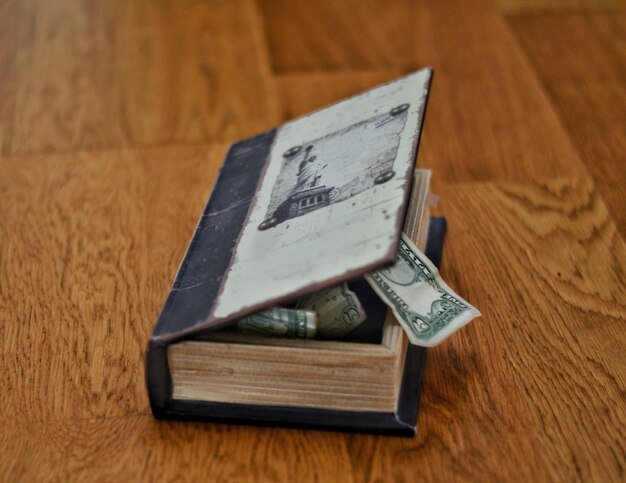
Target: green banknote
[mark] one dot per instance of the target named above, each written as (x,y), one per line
(281,322)
(428,310)
(338,311)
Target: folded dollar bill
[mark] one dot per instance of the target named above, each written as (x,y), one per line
(427,309)
(281,322)
(338,311)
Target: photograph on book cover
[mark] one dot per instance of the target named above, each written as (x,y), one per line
(336,167)
(332,195)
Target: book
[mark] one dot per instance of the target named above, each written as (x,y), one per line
(317,202)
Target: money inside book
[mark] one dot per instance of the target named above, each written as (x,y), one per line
(306,295)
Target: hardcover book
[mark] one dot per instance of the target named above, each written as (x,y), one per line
(302,211)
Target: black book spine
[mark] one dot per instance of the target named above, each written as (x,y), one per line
(158,379)
(208,256)
(199,278)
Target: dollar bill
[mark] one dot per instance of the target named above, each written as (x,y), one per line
(428,310)
(281,322)
(338,311)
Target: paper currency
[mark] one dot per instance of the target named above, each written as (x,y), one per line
(338,311)
(281,322)
(428,310)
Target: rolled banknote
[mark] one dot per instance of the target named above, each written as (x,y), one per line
(338,311)
(281,322)
(427,309)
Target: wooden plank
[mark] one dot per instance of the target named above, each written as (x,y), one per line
(90,245)
(139,448)
(525,7)
(534,390)
(327,35)
(16,42)
(554,297)
(580,60)
(488,117)
(115,74)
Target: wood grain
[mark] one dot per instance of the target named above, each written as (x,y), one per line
(326,35)
(559,334)
(524,7)
(537,373)
(16,39)
(581,61)
(475,141)
(114,74)
(114,117)
(140,448)
(93,242)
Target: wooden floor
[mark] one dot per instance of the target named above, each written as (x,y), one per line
(114,116)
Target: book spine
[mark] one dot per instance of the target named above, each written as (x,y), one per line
(208,256)
(199,278)
(158,379)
